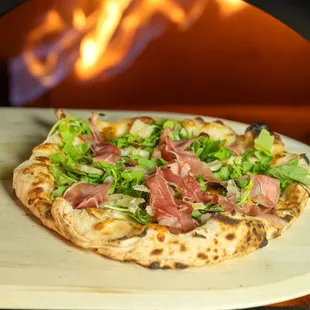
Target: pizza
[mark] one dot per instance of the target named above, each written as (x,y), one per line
(163,193)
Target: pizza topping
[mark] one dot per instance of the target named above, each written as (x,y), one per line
(237,148)
(130,207)
(166,209)
(107,152)
(265,191)
(85,195)
(179,176)
(158,172)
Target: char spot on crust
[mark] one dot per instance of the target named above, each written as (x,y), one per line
(145,119)
(48,214)
(35,194)
(166,267)
(161,237)
(157,251)
(196,235)
(259,225)
(180,266)
(288,218)
(264,242)
(202,255)
(275,234)
(255,231)
(226,219)
(143,234)
(183,248)
(230,236)
(248,238)
(233,212)
(43,147)
(248,224)
(99,226)
(216,257)
(208,249)
(215,241)
(154,265)
(31,168)
(42,159)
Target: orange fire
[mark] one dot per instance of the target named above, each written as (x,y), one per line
(105,36)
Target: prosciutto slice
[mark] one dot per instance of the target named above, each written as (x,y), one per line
(265,191)
(171,151)
(107,152)
(104,150)
(166,209)
(250,209)
(237,148)
(179,175)
(85,195)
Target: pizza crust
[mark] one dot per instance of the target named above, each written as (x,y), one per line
(224,236)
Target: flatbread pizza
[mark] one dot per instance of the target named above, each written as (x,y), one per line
(163,193)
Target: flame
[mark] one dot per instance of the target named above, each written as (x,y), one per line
(231,7)
(98,51)
(100,41)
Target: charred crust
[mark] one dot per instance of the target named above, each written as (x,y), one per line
(180,266)
(100,226)
(215,241)
(255,231)
(275,234)
(143,233)
(306,158)
(199,118)
(259,225)
(264,242)
(256,128)
(154,265)
(288,218)
(208,249)
(230,236)
(166,267)
(202,255)
(219,122)
(145,119)
(35,194)
(157,251)
(30,169)
(216,257)
(160,237)
(196,235)
(226,219)
(42,159)
(183,248)
(233,212)
(48,214)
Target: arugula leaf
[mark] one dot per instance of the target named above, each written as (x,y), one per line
(223,173)
(290,173)
(58,192)
(263,143)
(202,182)
(246,193)
(208,208)
(60,177)
(141,216)
(209,150)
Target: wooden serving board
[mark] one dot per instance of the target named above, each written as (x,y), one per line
(40,270)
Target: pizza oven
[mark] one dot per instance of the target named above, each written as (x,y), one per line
(241,60)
